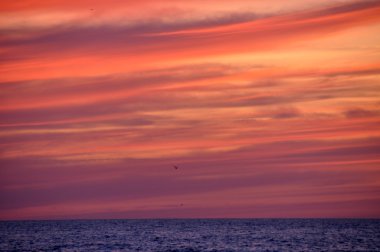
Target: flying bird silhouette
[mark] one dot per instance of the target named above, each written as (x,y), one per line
(175,167)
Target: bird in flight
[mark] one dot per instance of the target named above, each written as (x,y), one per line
(175,167)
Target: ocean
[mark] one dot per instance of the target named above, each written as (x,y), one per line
(192,235)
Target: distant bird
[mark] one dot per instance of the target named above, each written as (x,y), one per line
(175,167)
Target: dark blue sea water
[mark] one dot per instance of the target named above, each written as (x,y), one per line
(192,235)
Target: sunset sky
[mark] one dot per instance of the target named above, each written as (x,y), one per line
(268,108)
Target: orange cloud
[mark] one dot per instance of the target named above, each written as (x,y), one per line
(274,110)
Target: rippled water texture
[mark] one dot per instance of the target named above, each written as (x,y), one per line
(192,235)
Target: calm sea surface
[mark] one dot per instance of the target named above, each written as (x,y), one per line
(192,235)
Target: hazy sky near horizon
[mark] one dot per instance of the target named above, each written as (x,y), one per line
(269,108)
